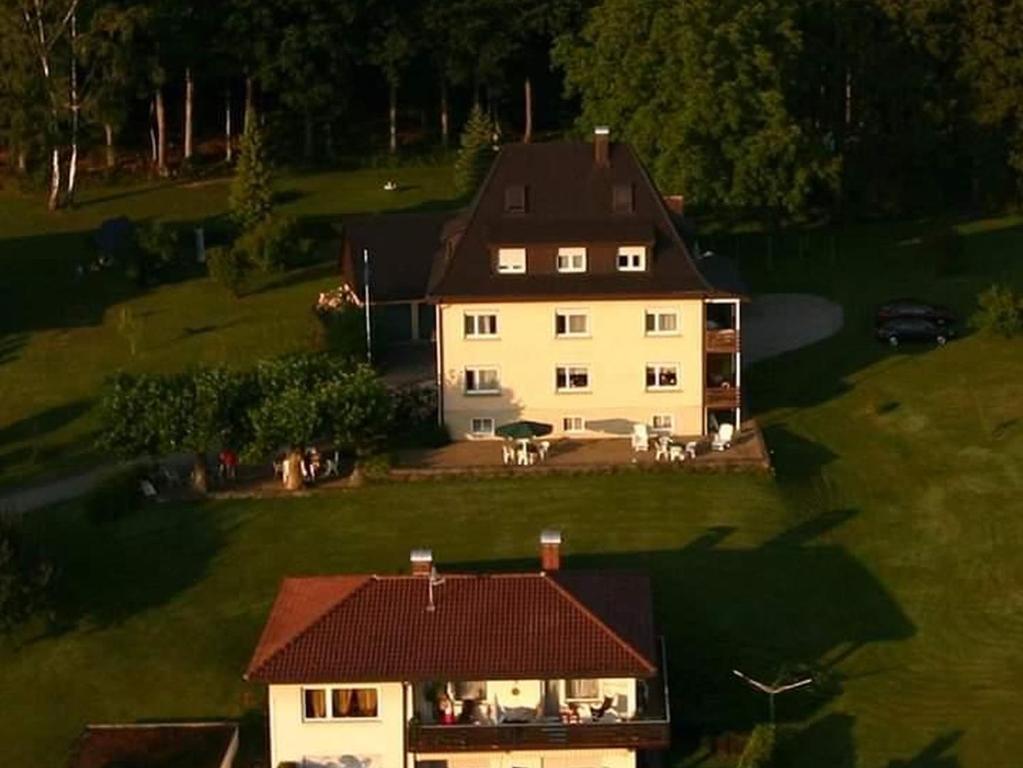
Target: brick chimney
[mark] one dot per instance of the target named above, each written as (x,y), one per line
(550,550)
(422,562)
(602,146)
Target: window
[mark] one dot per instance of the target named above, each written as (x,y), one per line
(571,260)
(571,322)
(480,324)
(631,258)
(662,376)
(471,689)
(482,381)
(515,198)
(482,426)
(345,703)
(570,378)
(511,261)
(573,424)
(663,422)
(660,322)
(587,690)
(622,198)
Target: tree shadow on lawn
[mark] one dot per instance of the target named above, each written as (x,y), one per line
(43,422)
(791,603)
(10,346)
(937,754)
(107,573)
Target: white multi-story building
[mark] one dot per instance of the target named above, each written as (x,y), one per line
(549,669)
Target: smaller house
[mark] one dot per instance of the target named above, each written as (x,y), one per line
(552,668)
(156,745)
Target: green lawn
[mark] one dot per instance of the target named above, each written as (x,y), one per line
(60,336)
(885,554)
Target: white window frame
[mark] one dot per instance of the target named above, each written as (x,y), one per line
(479,392)
(481,433)
(511,261)
(569,334)
(669,429)
(476,314)
(569,389)
(571,253)
(573,431)
(598,697)
(658,367)
(328,692)
(637,258)
(657,314)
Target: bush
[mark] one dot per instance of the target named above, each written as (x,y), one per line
(25,576)
(1000,311)
(227,267)
(344,332)
(114,497)
(759,751)
(273,245)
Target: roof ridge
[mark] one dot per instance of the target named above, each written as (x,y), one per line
(589,614)
(366,580)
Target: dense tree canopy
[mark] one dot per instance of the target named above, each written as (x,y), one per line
(772,106)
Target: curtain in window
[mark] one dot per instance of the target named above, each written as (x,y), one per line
(582,689)
(315,703)
(367,701)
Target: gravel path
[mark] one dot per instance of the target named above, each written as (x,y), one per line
(780,322)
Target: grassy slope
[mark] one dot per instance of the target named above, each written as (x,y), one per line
(60,337)
(886,552)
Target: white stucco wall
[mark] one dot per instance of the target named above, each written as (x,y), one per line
(617,351)
(574,758)
(292,738)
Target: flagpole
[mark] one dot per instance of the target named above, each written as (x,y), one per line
(369,326)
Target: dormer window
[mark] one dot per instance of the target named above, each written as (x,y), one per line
(571,260)
(511,261)
(622,198)
(515,198)
(631,258)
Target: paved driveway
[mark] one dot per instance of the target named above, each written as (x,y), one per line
(780,322)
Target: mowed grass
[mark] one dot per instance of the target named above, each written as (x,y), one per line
(884,555)
(61,335)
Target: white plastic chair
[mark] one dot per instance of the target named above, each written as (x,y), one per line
(676,453)
(663,444)
(640,437)
(542,448)
(691,449)
(525,458)
(723,439)
(508,454)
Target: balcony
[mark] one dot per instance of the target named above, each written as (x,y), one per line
(718,397)
(632,734)
(721,340)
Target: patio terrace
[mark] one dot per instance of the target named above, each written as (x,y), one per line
(748,453)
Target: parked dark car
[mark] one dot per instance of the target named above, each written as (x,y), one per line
(900,329)
(913,308)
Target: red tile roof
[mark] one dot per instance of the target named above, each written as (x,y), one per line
(171,745)
(496,626)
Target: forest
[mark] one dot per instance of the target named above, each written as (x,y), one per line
(785,108)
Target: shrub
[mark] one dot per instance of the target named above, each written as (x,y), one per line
(273,245)
(114,497)
(227,267)
(25,576)
(759,751)
(158,245)
(999,311)
(344,332)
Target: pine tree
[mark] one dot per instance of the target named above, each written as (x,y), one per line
(475,154)
(251,197)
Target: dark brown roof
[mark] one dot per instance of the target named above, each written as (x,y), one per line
(496,626)
(401,248)
(567,190)
(172,745)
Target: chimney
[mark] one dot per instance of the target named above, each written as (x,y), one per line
(602,146)
(422,562)
(550,550)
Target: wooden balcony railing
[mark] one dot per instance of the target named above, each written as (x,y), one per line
(721,397)
(634,734)
(725,340)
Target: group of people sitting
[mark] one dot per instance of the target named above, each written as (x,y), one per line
(312,465)
(475,712)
